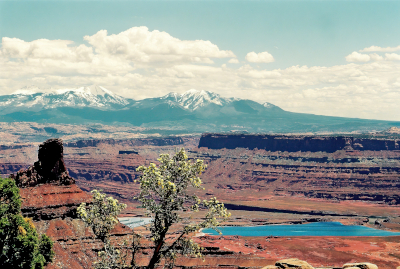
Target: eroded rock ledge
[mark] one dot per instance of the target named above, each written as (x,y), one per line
(296,263)
(294,143)
(50,197)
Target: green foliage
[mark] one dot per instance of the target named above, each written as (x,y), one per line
(20,246)
(101,216)
(46,248)
(112,257)
(166,195)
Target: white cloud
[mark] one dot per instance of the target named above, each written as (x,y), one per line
(392,56)
(233,61)
(45,49)
(375,57)
(140,45)
(358,57)
(262,57)
(380,49)
(139,63)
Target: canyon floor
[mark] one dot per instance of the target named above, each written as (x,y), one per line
(258,187)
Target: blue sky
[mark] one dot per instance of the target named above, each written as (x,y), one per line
(308,56)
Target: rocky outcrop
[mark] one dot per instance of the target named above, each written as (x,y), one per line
(50,201)
(364,265)
(294,143)
(293,263)
(296,263)
(49,168)
(50,197)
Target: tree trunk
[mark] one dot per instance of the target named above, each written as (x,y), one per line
(156,255)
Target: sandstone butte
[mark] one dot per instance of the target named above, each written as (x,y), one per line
(50,197)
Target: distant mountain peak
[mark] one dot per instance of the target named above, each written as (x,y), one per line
(32,97)
(194,99)
(267,105)
(90,90)
(27,90)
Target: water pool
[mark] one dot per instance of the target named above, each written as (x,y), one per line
(310,229)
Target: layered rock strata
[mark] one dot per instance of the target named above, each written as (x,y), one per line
(53,204)
(295,143)
(50,197)
(365,176)
(166,141)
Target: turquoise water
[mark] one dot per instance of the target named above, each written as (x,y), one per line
(310,229)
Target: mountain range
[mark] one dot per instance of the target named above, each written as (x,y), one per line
(192,111)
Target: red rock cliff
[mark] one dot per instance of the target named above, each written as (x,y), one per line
(295,143)
(50,197)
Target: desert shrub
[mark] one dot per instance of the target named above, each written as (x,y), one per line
(101,216)
(166,192)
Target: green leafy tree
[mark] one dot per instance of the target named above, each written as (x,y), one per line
(20,245)
(101,216)
(166,194)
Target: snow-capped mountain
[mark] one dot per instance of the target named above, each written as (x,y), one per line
(32,98)
(190,112)
(268,105)
(194,99)
(27,90)
(97,104)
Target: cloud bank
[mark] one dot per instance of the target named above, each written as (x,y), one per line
(361,57)
(139,45)
(380,49)
(139,63)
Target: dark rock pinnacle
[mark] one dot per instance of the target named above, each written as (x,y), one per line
(49,168)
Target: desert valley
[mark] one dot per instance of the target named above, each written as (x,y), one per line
(262,180)
(172,134)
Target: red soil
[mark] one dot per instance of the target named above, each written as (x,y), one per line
(317,251)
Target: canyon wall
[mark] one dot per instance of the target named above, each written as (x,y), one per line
(371,176)
(256,181)
(364,175)
(165,141)
(295,143)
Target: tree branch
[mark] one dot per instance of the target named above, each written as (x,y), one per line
(173,244)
